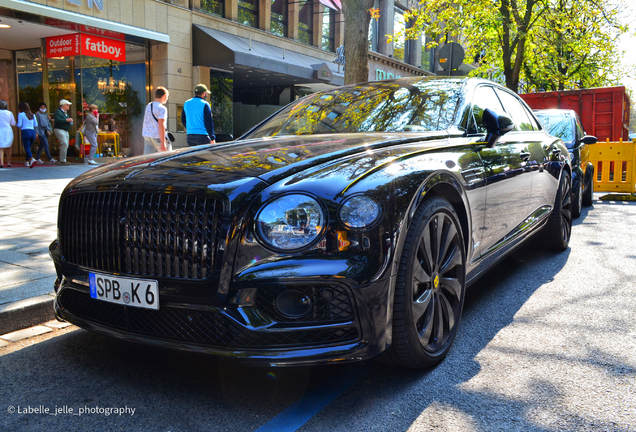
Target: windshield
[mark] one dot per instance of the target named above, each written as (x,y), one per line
(558,124)
(396,106)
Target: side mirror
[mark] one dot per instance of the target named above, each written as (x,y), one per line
(589,139)
(497,124)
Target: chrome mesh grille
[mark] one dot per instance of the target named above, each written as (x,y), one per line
(162,235)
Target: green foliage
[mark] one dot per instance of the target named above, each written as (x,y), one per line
(529,44)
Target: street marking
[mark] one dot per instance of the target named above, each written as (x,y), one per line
(299,413)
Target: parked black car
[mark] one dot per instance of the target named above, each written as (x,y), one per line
(566,124)
(345,226)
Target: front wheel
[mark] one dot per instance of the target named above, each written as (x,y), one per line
(430,287)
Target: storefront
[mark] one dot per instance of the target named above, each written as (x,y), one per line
(255,56)
(47,59)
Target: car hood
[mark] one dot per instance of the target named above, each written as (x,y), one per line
(267,159)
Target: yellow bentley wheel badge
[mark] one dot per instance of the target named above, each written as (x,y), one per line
(436,281)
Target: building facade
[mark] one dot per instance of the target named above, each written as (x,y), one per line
(255,56)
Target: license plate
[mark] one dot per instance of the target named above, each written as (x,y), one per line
(143,293)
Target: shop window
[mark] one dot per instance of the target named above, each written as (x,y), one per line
(119,89)
(373,35)
(248,13)
(374,29)
(221,103)
(306,22)
(278,24)
(426,55)
(328,29)
(399,41)
(214,7)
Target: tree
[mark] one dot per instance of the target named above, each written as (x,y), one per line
(571,47)
(357,18)
(521,37)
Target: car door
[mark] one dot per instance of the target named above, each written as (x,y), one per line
(530,141)
(508,182)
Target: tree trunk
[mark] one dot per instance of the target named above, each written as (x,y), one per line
(357,18)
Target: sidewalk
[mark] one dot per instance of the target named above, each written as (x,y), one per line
(28,224)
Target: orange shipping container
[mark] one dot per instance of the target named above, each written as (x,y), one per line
(604,111)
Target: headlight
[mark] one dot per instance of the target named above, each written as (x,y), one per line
(291,222)
(360,212)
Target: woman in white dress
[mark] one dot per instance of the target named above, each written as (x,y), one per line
(6,132)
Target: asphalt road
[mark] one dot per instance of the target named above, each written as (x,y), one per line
(547,343)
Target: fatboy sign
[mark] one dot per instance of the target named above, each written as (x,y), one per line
(99,4)
(110,49)
(86,44)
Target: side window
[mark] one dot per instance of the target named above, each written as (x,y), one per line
(522,119)
(533,121)
(483,98)
(580,133)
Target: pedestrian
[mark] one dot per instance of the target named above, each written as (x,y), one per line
(6,132)
(27,124)
(61,124)
(154,128)
(197,113)
(91,123)
(43,131)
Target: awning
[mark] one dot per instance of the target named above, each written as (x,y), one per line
(217,49)
(76,18)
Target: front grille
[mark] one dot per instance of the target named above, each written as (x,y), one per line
(162,235)
(193,325)
(329,303)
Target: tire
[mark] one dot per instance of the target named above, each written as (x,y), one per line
(577,201)
(556,234)
(588,195)
(430,287)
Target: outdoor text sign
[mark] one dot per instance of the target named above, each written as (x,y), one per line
(61,46)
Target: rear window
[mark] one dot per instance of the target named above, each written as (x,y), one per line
(558,125)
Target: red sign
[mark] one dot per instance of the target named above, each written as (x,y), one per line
(86,44)
(96,46)
(60,46)
(102,32)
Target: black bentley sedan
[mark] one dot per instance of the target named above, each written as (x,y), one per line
(345,226)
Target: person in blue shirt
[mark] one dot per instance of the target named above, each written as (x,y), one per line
(27,123)
(196,117)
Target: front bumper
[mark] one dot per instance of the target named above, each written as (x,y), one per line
(247,333)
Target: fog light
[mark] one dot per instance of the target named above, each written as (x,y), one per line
(293,304)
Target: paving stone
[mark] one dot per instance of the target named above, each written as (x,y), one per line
(56,324)
(26,333)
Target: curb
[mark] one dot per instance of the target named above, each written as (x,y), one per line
(26,313)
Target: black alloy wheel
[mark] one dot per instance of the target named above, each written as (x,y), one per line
(557,232)
(577,200)
(430,288)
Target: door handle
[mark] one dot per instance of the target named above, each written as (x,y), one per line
(524,155)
